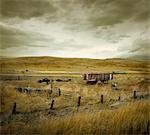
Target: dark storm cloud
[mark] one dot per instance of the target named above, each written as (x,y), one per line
(109,12)
(25,8)
(117,11)
(68,25)
(96,12)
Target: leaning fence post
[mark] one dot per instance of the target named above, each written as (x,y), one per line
(79,100)
(134,94)
(52,104)
(14,108)
(59,92)
(102,99)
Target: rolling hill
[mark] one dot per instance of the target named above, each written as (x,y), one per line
(50,64)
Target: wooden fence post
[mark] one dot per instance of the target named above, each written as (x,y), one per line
(131,130)
(51,91)
(51,84)
(139,129)
(148,130)
(79,100)
(59,92)
(52,104)
(134,94)
(14,108)
(102,99)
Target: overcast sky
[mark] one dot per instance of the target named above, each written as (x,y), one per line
(75,28)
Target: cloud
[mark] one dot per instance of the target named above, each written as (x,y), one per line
(89,12)
(139,49)
(52,37)
(73,28)
(25,8)
(140,46)
(10,37)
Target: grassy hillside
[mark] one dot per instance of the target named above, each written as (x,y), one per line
(121,113)
(13,65)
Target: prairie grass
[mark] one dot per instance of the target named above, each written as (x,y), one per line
(36,64)
(70,91)
(25,102)
(130,119)
(127,116)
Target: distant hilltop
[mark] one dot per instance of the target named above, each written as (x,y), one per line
(46,63)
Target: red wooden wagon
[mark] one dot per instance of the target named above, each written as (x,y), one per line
(93,78)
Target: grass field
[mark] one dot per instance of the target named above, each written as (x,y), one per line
(59,65)
(127,115)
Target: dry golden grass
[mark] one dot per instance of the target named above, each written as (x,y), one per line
(127,116)
(43,64)
(70,91)
(91,117)
(25,102)
(105,122)
(132,119)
